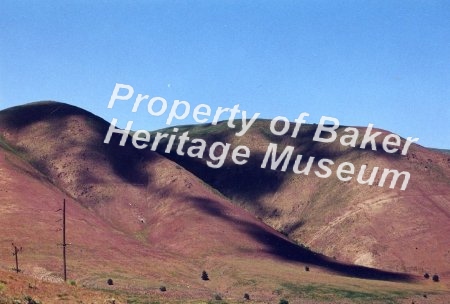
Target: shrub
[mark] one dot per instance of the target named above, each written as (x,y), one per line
(205,276)
(426,275)
(246,296)
(110,282)
(283,301)
(435,278)
(306,268)
(30,300)
(72,283)
(217,297)
(162,288)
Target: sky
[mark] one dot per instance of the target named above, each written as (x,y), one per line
(380,62)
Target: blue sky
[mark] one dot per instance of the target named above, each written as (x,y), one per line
(380,62)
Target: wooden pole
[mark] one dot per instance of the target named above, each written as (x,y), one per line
(16,254)
(64,245)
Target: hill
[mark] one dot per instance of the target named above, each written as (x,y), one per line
(371,225)
(150,221)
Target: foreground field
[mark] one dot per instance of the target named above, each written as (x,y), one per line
(225,286)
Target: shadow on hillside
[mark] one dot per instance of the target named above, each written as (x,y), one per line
(282,248)
(127,162)
(249,182)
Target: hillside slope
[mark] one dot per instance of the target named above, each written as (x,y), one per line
(368,225)
(146,218)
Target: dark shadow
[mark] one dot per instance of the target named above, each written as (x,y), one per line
(249,182)
(282,248)
(128,162)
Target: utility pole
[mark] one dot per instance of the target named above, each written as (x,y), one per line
(64,244)
(16,254)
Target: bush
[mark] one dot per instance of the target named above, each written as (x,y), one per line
(435,278)
(306,268)
(246,296)
(163,288)
(217,297)
(283,301)
(426,275)
(30,300)
(205,276)
(110,282)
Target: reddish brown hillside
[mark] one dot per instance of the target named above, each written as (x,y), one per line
(367,225)
(146,218)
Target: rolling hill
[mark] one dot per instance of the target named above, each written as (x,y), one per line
(148,218)
(371,225)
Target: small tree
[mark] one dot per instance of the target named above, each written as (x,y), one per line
(246,296)
(283,301)
(426,275)
(110,282)
(30,300)
(435,278)
(205,276)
